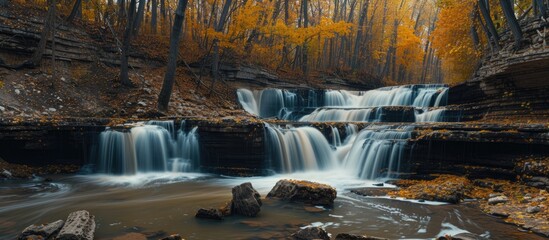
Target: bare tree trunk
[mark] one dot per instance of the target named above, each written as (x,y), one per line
(512,22)
(121,11)
(46,32)
(124,77)
(154,15)
(483,5)
(358,40)
(219,28)
(139,17)
(76,12)
(167,86)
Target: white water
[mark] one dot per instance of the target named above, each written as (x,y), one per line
(150,147)
(371,153)
(344,106)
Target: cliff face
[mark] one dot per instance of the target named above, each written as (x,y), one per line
(512,83)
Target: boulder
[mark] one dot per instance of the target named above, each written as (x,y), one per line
(246,200)
(211,213)
(80,225)
(533,209)
(311,233)
(304,191)
(346,236)
(498,199)
(45,230)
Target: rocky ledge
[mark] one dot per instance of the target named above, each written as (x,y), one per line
(304,191)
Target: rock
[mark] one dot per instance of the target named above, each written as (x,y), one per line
(52,109)
(211,213)
(246,200)
(17,91)
(6,173)
(139,110)
(311,233)
(346,236)
(533,209)
(131,236)
(313,209)
(371,191)
(147,90)
(45,230)
(141,103)
(378,184)
(80,225)
(2,109)
(304,191)
(498,199)
(462,236)
(173,237)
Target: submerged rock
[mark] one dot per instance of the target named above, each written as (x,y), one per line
(533,209)
(45,230)
(311,233)
(211,213)
(80,225)
(462,236)
(304,191)
(246,200)
(346,236)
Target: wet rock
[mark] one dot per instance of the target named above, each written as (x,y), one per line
(246,200)
(211,213)
(499,211)
(173,237)
(533,209)
(304,191)
(2,109)
(311,233)
(17,91)
(498,199)
(371,191)
(378,184)
(462,236)
(52,109)
(45,230)
(141,103)
(313,209)
(80,225)
(346,236)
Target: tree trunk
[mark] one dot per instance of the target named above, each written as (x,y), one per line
(124,77)
(219,28)
(512,22)
(121,11)
(154,15)
(358,40)
(46,32)
(76,12)
(542,8)
(167,86)
(139,17)
(484,10)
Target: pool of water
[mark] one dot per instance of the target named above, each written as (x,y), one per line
(167,202)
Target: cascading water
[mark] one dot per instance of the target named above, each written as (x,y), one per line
(374,152)
(341,105)
(378,151)
(149,147)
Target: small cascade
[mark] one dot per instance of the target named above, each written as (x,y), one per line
(298,149)
(342,105)
(336,138)
(377,151)
(148,147)
(436,115)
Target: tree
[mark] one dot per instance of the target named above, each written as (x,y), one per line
(76,11)
(124,77)
(46,32)
(512,21)
(485,11)
(167,86)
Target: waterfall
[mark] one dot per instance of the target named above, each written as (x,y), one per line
(341,105)
(298,149)
(436,115)
(148,147)
(377,151)
(336,138)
